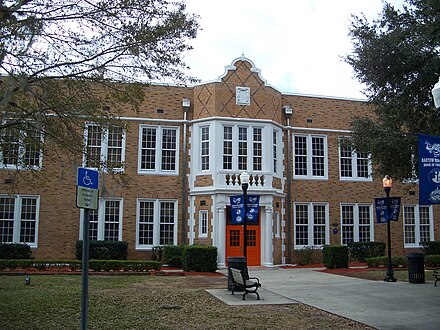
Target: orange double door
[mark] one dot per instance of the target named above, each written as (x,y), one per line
(235,241)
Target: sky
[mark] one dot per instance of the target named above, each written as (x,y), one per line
(297,44)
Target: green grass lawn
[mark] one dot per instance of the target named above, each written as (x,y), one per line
(145,302)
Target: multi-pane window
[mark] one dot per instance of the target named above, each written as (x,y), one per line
(242,148)
(311,224)
(356,223)
(19,219)
(21,148)
(158,149)
(105,224)
(417,224)
(105,147)
(275,150)
(354,165)
(310,156)
(203,223)
(258,149)
(156,223)
(205,148)
(227,147)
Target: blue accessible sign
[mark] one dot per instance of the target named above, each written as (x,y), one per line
(87,184)
(237,206)
(381,206)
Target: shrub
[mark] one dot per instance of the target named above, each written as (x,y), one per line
(127,265)
(97,265)
(431,247)
(172,255)
(359,251)
(308,256)
(397,261)
(335,256)
(15,251)
(104,250)
(432,261)
(199,258)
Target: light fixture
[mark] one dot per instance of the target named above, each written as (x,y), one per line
(244,179)
(387,183)
(186,104)
(288,111)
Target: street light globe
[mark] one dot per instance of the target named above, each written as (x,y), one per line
(387,182)
(244,177)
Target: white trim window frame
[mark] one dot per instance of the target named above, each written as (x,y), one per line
(105,224)
(17,153)
(156,223)
(203,224)
(357,222)
(311,225)
(277,224)
(354,165)
(310,157)
(244,147)
(19,219)
(204,148)
(104,147)
(275,153)
(158,151)
(418,225)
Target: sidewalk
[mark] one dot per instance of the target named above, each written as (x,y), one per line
(382,305)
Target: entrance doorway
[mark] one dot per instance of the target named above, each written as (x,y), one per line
(235,240)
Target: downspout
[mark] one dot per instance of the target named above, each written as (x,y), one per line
(186,103)
(288,114)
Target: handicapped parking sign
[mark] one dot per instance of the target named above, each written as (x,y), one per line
(87,184)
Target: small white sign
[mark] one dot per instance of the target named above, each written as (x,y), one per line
(243,95)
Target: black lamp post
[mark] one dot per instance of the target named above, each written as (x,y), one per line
(387,184)
(244,179)
(436,96)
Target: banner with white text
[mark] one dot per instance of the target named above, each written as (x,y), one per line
(429,169)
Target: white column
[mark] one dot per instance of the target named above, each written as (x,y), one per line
(221,242)
(268,237)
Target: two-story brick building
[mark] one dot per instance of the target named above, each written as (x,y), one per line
(183,163)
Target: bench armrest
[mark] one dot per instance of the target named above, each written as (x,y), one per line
(254,278)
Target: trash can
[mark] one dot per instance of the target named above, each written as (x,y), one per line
(416,268)
(237,263)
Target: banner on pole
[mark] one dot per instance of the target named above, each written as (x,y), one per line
(381,206)
(429,169)
(237,208)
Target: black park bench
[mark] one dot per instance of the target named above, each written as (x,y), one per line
(249,285)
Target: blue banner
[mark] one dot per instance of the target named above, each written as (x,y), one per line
(237,208)
(381,206)
(429,169)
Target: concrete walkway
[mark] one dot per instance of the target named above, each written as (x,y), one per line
(379,304)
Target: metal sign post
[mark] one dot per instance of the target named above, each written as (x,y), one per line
(87,196)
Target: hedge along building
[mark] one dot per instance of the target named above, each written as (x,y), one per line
(183,162)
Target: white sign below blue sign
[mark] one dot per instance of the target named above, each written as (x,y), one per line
(87,184)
